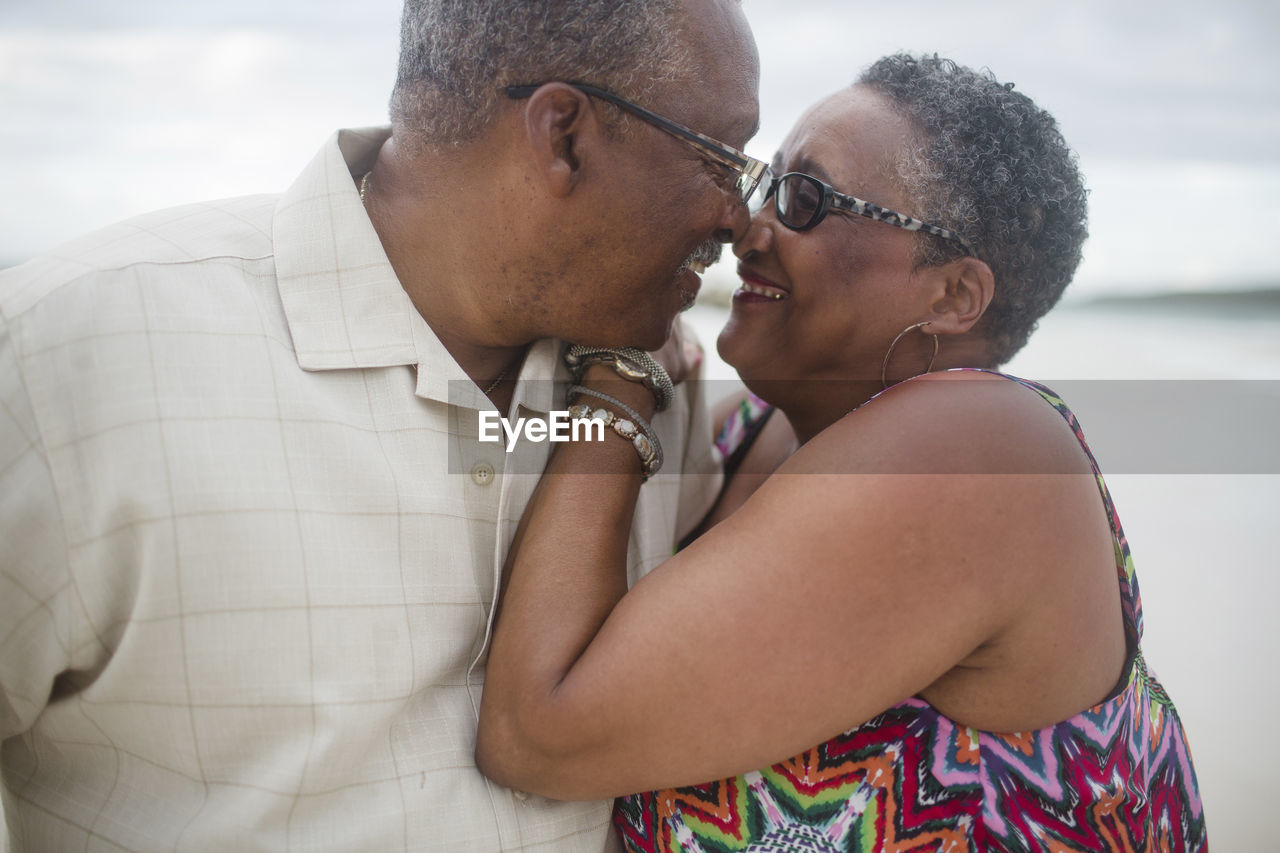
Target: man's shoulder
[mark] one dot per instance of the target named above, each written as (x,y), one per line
(152,244)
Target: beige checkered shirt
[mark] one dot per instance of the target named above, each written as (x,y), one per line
(249,540)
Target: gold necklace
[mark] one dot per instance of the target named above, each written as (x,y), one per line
(494,383)
(364,185)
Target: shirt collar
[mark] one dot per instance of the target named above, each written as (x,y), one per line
(342,300)
(539,384)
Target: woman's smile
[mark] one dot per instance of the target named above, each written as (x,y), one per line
(755,288)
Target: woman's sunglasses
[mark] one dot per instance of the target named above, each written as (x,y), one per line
(802,201)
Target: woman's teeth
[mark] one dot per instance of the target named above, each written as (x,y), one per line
(767,292)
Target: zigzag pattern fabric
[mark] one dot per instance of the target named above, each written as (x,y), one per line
(1117,777)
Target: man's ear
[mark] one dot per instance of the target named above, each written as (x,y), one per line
(965,289)
(559,121)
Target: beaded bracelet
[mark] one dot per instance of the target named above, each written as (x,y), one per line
(650,462)
(643,425)
(575,390)
(637,432)
(629,363)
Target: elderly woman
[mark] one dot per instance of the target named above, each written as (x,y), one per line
(934,587)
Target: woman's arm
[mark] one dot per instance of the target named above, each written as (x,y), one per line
(827,598)
(770,446)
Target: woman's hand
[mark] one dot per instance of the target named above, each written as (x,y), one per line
(680,356)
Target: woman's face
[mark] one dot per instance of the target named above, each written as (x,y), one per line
(826,303)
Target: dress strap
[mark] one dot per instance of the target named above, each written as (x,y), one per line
(740,431)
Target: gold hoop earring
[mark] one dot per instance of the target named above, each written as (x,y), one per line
(884,365)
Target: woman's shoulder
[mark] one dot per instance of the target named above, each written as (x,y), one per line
(955,422)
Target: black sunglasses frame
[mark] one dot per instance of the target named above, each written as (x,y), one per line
(833,200)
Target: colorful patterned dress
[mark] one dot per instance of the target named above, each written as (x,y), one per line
(1115,777)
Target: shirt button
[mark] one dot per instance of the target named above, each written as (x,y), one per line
(522,796)
(482,474)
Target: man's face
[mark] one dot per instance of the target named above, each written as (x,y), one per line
(673,200)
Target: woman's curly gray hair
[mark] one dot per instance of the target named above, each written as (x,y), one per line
(456,54)
(993,167)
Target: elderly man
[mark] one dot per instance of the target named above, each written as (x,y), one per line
(251,536)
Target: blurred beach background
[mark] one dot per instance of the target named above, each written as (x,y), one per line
(112,109)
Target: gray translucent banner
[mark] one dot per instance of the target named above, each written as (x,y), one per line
(1132,426)
(1178,426)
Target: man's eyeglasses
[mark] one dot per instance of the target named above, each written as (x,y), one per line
(748,169)
(802,201)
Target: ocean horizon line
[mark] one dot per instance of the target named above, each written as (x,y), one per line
(1262,295)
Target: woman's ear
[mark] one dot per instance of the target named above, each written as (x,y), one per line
(966,286)
(559,122)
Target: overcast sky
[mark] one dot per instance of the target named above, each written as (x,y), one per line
(112,108)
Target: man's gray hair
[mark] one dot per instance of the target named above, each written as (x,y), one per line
(455,55)
(993,167)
